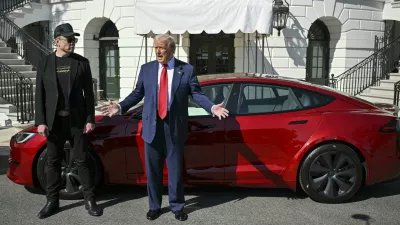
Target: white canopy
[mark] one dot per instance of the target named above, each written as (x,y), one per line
(196,16)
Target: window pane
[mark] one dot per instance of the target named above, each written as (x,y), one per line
(311,99)
(216,93)
(273,99)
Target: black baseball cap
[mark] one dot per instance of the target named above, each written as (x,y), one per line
(65,30)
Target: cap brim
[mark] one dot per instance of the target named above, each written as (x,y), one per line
(70,34)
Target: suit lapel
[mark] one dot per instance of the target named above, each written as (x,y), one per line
(51,69)
(74,71)
(176,79)
(154,80)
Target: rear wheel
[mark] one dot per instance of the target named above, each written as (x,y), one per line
(331,173)
(71,186)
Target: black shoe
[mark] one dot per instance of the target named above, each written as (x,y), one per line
(180,215)
(49,209)
(153,214)
(92,207)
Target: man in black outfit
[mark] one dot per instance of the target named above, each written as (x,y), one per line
(65,111)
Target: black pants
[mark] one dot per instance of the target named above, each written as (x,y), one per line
(61,132)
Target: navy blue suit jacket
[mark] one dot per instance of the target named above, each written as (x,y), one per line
(184,83)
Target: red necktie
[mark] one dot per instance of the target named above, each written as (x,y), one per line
(163,93)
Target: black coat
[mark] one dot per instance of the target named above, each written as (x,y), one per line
(81,96)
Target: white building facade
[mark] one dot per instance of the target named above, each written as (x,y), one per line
(322,37)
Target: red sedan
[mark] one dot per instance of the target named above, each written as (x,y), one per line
(281,133)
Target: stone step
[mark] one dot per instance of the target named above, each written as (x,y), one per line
(387,83)
(381,91)
(21,67)
(11,88)
(24,10)
(6,108)
(3,44)
(15,14)
(394,76)
(10,82)
(14,116)
(34,5)
(5,50)
(13,97)
(377,98)
(13,61)
(9,55)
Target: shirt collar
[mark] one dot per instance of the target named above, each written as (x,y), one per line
(171,63)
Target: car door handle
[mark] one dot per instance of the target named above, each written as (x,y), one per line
(298,122)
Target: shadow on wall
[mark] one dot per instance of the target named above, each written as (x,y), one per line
(297,39)
(295,46)
(255,60)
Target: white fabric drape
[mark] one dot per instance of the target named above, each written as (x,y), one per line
(196,16)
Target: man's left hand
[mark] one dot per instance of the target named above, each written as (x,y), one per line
(88,128)
(219,111)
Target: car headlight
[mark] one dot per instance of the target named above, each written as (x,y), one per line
(23,137)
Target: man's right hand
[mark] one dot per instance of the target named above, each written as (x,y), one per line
(110,109)
(43,130)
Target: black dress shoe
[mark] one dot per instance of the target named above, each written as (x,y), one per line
(92,207)
(153,214)
(50,208)
(180,215)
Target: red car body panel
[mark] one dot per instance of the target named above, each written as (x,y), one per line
(244,150)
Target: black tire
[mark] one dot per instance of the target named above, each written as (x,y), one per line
(76,192)
(333,182)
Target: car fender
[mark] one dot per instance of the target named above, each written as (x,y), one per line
(290,172)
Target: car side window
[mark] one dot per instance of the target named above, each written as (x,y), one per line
(259,98)
(217,94)
(310,99)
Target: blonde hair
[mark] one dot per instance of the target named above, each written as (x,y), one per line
(168,38)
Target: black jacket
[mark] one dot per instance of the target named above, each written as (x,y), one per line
(81,96)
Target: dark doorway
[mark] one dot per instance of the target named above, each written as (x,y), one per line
(317,67)
(212,53)
(109,62)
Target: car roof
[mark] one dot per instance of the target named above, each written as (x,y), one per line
(277,79)
(255,77)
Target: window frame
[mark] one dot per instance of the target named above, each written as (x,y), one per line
(274,86)
(232,84)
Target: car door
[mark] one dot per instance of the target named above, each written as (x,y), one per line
(267,129)
(108,140)
(204,153)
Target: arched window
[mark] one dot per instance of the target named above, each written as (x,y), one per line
(317,67)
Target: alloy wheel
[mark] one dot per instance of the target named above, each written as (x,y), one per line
(333,174)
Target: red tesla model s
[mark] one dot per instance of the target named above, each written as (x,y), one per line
(281,132)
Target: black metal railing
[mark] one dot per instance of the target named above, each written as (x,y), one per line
(7,6)
(22,43)
(17,90)
(396,93)
(370,71)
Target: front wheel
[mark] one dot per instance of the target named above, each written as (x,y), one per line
(331,173)
(71,185)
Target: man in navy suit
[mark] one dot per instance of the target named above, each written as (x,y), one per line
(165,120)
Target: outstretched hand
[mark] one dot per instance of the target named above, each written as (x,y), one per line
(110,109)
(219,111)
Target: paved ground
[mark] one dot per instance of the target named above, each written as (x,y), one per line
(127,205)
